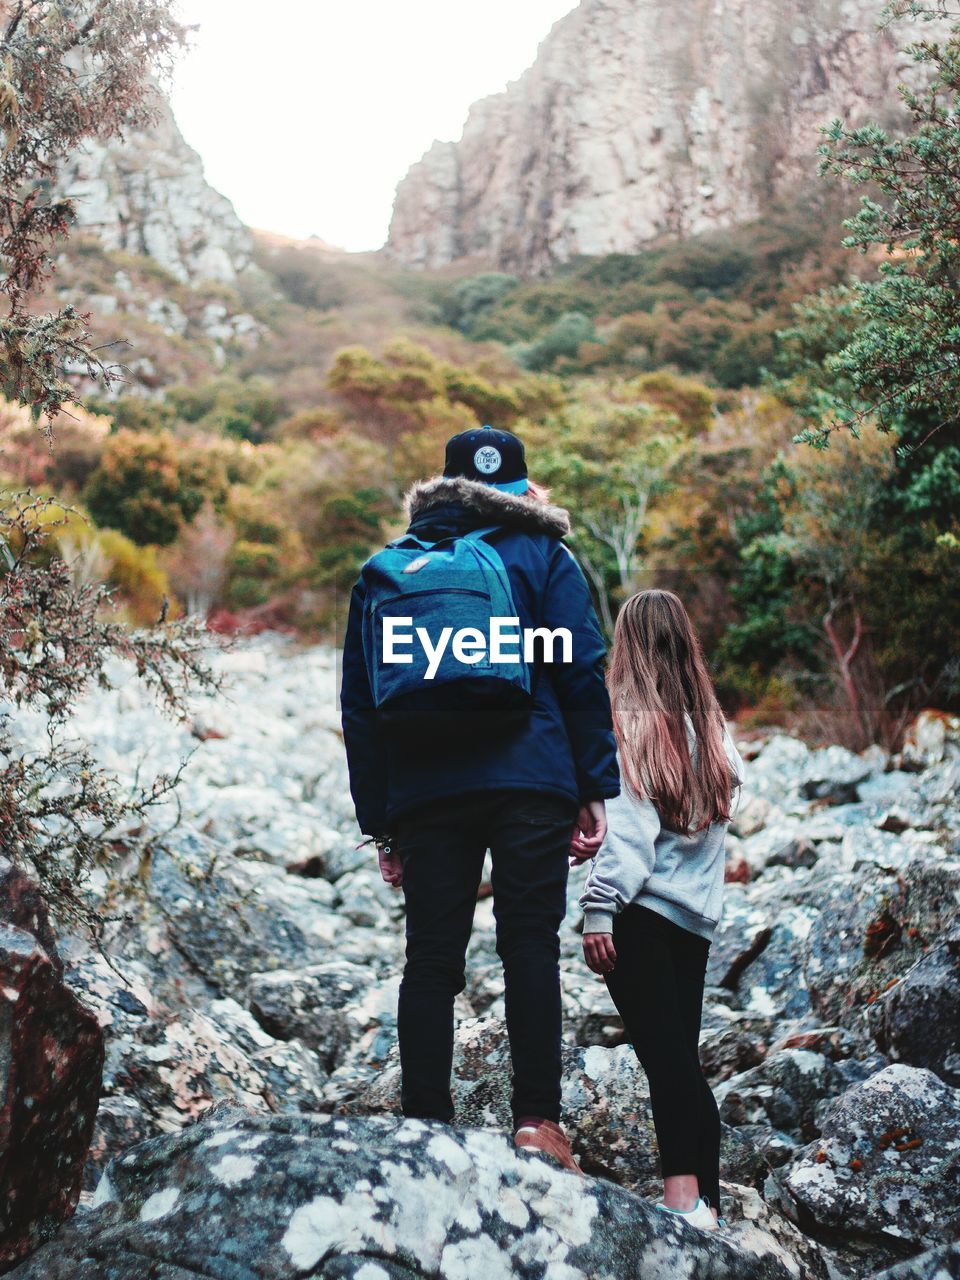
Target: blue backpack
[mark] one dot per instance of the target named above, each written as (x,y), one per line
(442,587)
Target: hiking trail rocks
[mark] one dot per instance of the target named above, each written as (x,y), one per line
(270,1197)
(256,953)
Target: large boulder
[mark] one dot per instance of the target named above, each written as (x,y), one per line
(933,736)
(886,1167)
(743,933)
(745,1211)
(773,982)
(868,930)
(917,1020)
(166,1062)
(322,1004)
(728,1050)
(175,1058)
(833,776)
(934,1264)
(605,1100)
(786,1092)
(232,918)
(51,1060)
(374,1198)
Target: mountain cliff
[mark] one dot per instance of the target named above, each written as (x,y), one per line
(640,118)
(147,195)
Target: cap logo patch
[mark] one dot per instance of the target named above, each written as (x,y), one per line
(487,460)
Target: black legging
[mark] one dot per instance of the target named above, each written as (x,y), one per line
(657,986)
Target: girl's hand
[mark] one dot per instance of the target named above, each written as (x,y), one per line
(599,952)
(589,832)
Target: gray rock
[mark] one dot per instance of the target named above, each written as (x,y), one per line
(745,1212)
(294,1078)
(774,1147)
(751,815)
(743,932)
(773,982)
(121,1122)
(799,852)
(835,1043)
(887,1166)
(866,847)
(311,1004)
(785,1092)
(833,775)
(570,159)
(233,918)
(606,1105)
(147,194)
(235,979)
(255,1197)
(933,737)
(869,930)
(918,1019)
(833,790)
(934,1264)
(929,804)
(727,1051)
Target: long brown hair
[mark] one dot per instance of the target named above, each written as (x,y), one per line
(657,677)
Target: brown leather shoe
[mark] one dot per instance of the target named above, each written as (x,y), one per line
(536,1134)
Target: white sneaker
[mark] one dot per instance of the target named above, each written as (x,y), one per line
(700,1216)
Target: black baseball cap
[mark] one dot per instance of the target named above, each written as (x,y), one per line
(489,456)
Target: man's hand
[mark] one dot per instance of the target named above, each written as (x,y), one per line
(391,868)
(588,832)
(599,952)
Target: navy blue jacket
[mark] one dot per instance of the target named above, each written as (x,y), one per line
(567,745)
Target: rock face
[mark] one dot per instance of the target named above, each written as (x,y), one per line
(147,195)
(640,118)
(51,1057)
(272,1198)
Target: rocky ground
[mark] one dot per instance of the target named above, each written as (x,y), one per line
(253,960)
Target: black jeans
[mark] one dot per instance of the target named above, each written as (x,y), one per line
(442,848)
(657,986)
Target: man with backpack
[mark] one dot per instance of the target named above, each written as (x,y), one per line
(475,717)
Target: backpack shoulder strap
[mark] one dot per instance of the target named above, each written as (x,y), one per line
(477,535)
(410,540)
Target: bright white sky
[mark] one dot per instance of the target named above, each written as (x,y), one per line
(308,112)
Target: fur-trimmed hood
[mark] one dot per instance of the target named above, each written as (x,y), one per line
(515,509)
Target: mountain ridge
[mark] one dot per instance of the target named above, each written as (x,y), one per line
(627,127)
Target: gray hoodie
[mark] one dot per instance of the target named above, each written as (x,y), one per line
(678,875)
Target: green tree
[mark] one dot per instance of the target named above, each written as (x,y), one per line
(67,72)
(148,486)
(469,300)
(830,532)
(766,586)
(247,409)
(903,356)
(563,338)
(607,456)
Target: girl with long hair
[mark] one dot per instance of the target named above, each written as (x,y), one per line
(653,896)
